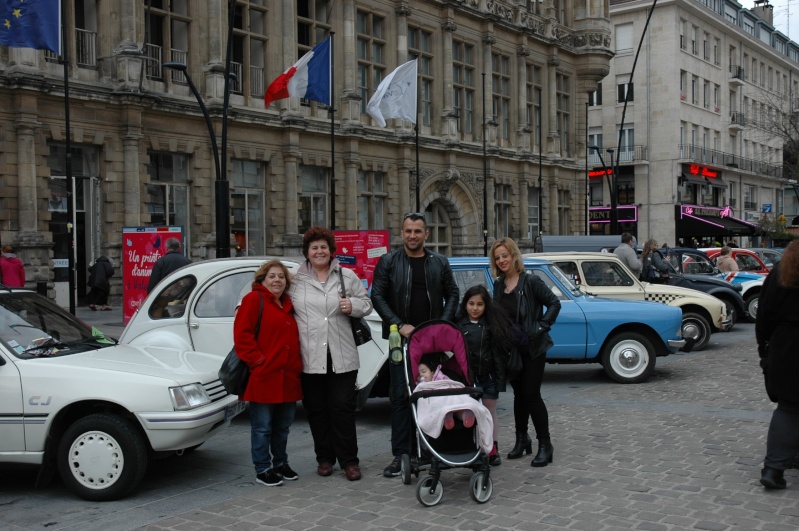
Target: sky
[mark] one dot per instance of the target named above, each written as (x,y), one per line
(784,11)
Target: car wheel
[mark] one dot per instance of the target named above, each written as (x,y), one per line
(750,307)
(629,357)
(102,457)
(696,327)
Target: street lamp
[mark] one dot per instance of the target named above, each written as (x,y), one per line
(221,187)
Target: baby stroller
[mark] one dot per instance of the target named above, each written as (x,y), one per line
(458,447)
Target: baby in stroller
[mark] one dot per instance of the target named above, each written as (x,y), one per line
(437,412)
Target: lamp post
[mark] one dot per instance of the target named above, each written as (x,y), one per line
(485,175)
(221,185)
(614,213)
(598,151)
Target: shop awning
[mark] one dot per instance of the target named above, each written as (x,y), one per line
(697,225)
(718,182)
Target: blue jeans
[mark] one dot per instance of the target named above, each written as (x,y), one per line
(269,434)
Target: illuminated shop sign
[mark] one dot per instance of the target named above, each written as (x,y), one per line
(704,171)
(707,212)
(626,214)
(600,173)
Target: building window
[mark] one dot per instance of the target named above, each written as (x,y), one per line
(166,37)
(248,207)
(502,204)
(627,144)
(313,27)
(596,189)
(313,197)
(420,44)
(595,98)
(625,92)
(705,95)
(370,49)
(564,211)
(167,195)
(624,38)
(533,212)
(694,90)
(533,103)
(372,198)
(562,96)
(249,48)
(440,227)
(749,197)
(463,85)
(500,88)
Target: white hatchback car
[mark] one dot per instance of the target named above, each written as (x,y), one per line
(192,309)
(96,410)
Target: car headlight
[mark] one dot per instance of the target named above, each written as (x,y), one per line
(189,396)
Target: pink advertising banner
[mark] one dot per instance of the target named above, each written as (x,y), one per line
(360,251)
(141,248)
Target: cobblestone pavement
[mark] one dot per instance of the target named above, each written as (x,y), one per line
(681,451)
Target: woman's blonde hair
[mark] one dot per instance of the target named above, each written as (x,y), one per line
(513,249)
(260,275)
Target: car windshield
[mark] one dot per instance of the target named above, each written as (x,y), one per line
(565,280)
(31,326)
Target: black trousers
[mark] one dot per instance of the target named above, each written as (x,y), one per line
(330,400)
(527,398)
(97,296)
(782,444)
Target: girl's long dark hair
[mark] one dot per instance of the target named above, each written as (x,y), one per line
(494,316)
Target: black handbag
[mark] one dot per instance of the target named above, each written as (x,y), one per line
(361,332)
(234,373)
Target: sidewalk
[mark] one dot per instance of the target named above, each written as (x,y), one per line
(109,322)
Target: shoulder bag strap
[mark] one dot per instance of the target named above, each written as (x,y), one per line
(341,280)
(260,314)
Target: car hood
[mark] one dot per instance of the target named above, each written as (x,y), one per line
(707,280)
(180,366)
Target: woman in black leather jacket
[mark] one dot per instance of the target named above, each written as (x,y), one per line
(484,327)
(523,296)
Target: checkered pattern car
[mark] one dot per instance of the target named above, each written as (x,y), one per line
(604,275)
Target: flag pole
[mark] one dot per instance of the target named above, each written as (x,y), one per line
(68,165)
(331,109)
(416,127)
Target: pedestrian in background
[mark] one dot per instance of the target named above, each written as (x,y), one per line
(273,357)
(99,273)
(654,267)
(330,361)
(626,252)
(725,262)
(12,270)
(171,261)
(523,297)
(777,333)
(411,285)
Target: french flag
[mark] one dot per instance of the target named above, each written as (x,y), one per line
(308,78)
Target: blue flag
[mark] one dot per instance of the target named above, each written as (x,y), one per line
(31,24)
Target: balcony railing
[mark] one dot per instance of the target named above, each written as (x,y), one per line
(85,47)
(737,118)
(153,58)
(625,155)
(179,56)
(237,82)
(750,205)
(696,153)
(737,72)
(257,81)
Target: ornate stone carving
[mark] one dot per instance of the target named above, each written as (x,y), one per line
(489,39)
(553,61)
(403,11)
(532,23)
(523,51)
(449,25)
(562,36)
(448,178)
(502,11)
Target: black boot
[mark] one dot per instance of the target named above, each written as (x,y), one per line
(771,478)
(523,444)
(544,455)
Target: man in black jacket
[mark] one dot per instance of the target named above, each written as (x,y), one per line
(411,285)
(171,261)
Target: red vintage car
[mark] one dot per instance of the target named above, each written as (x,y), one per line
(747,260)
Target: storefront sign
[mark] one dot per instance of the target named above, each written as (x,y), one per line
(141,248)
(708,212)
(704,171)
(600,173)
(626,214)
(360,250)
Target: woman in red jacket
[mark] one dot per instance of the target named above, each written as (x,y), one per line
(275,367)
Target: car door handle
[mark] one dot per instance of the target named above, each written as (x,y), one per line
(194,325)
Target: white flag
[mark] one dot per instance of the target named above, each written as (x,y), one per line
(395,97)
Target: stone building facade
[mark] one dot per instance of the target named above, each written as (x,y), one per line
(711,101)
(141,152)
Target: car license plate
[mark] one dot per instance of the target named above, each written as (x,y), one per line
(234,409)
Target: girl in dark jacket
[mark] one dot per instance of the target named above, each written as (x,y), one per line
(484,327)
(99,273)
(523,297)
(777,332)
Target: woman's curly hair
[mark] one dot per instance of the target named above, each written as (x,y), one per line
(314,234)
(789,266)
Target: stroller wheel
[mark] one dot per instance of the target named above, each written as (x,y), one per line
(427,496)
(481,486)
(405,469)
